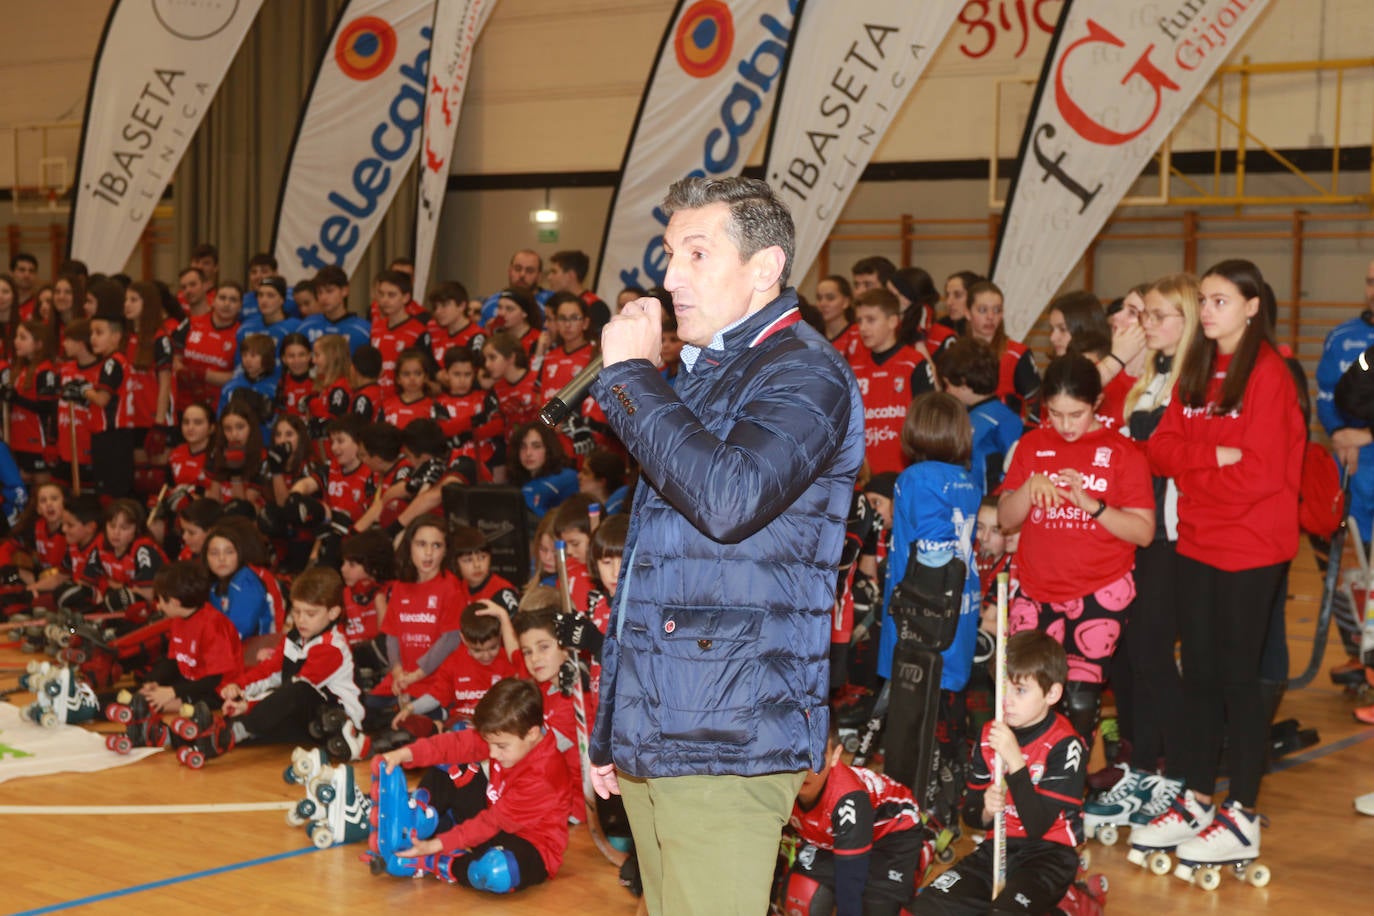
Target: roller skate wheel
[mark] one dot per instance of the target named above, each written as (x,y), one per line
(34,666)
(294,819)
(124,698)
(195,760)
(1107,835)
(325,793)
(289,775)
(1258,875)
(53,689)
(1136,857)
(48,719)
(305,809)
(301,768)
(120,744)
(118,712)
(1209,878)
(1098,884)
(1085,859)
(376,865)
(186,728)
(322,837)
(1158,863)
(110,741)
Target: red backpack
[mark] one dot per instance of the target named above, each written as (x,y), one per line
(1321,505)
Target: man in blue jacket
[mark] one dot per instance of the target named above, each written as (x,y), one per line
(1350,436)
(715,669)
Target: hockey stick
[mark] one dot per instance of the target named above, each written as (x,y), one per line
(613,855)
(1330,584)
(76,456)
(999,824)
(157,505)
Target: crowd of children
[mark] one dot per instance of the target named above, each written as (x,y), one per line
(272,472)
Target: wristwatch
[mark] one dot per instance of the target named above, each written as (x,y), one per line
(1101,507)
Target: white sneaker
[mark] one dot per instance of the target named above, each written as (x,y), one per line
(1117,804)
(1184,819)
(1233,836)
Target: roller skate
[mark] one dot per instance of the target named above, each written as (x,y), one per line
(398,819)
(1086,896)
(207,733)
(143,726)
(341,737)
(1113,808)
(1233,838)
(61,698)
(305,769)
(1162,792)
(1151,843)
(335,810)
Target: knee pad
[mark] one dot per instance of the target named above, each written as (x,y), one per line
(495,872)
(1082,702)
(808,897)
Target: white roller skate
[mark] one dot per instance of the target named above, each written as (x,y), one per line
(61,697)
(1114,807)
(1233,838)
(1162,792)
(338,811)
(1151,843)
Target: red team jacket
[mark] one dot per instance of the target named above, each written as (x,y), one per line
(205,644)
(517,799)
(417,614)
(1055,760)
(1246,515)
(856,809)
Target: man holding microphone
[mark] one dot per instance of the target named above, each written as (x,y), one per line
(714,679)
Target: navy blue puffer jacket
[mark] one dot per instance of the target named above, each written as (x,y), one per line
(717,656)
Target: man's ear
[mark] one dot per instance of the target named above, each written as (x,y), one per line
(767,265)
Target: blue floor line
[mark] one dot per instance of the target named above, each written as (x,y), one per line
(152,885)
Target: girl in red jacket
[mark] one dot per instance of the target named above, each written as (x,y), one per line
(1081,495)
(1232,439)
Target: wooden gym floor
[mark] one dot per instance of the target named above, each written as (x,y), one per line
(1317,846)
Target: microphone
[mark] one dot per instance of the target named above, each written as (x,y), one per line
(557,408)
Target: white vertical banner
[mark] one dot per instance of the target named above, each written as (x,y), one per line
(358,133)
(1117,79)
(457,25)
(159,65)
(853,65)
(708,96)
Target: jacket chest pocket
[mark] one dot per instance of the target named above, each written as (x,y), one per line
(708,674)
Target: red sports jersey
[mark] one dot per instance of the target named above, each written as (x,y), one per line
(937,334)
(400,413)
(1055,760)
(390,341)
(441,341)
(134,568)
(397,473)
(349,492)
(519,401)
(360,611)
(417,614)
(495,588)
(461,681)
(205,644)
(34,389)
(560,366)
(887,390)
(335,400)
(1065,554)
(849,344)
(186,468)
(204,346)
(293,392)
(49,546)
(856,808)
(561,721)
(530,341)
(143,383)
(1009,391)
(87,419)
(114,381)
(1113,407)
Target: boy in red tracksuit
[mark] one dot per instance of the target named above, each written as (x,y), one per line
(489,653)
(864,848)
(513,835)
(1042,798)
(203,651)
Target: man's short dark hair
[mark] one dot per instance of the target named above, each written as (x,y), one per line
(331,275)
(263,259)
(397,278)
(305,286)
(382,440)
(192,270)
(970,362)
(187,582)
(23,257)
(448,291)
(205,250)
(882,298)
(1036,654)
(758,218)
(576,261)
(510,707)
(875,264)
(478,628)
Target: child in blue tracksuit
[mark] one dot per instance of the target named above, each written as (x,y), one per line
(934,512)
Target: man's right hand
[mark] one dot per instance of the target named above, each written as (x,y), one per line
(604,781)
(636,332)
